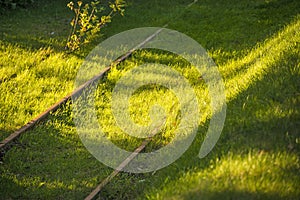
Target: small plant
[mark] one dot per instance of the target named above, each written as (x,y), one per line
(88,22)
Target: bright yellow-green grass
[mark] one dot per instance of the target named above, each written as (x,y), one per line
(256,47)
(31,81)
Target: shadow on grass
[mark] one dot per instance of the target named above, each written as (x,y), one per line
(49,163)
(226,26)
(245,129)
(260,124)
(231,194)
(263,118)
(10,186)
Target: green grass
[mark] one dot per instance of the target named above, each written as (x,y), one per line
(256,47)
(34,72)
(31,81)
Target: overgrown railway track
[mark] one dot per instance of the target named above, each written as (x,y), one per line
(10,141)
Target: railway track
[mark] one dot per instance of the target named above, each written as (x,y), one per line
(10,141)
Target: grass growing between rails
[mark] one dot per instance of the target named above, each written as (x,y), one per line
(257,155)
(37,36)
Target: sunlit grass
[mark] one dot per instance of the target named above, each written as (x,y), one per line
(239,74)
(263,119)
(254,175)
(31,81)
(264,173)
(256,48)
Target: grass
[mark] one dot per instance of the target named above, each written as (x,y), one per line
(31,82)
(34,73)
(250,176)
(256,47)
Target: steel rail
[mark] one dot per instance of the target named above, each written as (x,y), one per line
(7,143)
(99,187)
(145,142)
